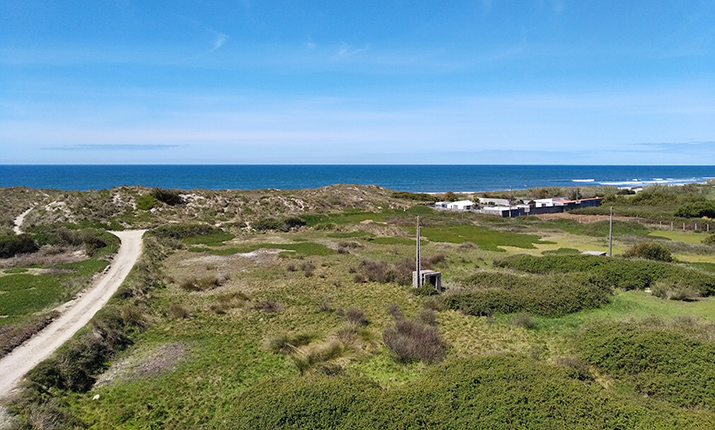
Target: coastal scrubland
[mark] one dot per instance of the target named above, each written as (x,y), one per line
(294,309)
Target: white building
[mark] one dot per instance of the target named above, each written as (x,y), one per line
(461,205)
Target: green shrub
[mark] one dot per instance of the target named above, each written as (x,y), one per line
(285,344)
(710,239)
(613,272)
(421,197)
(182,231)
(671,289)
(279,224)
(660,362)
(697,210)
(649,251)
(494,392)
(170,197)
(145,201)
(13,245)
(486,293)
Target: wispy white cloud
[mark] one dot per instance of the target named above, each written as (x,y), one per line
(346,50)
(110,147)
(218,41)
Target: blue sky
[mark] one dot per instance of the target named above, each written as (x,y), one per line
(415,82)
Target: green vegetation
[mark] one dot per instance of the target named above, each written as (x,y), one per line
(649,251)
(697,210)
(13,245)
(23,294)
(484,237)
(600,228)
(486,293)
(485,392)
(170,197)
(326,331)
(421,197)
(301,249)
(659,360)
(613,272)
(145,201)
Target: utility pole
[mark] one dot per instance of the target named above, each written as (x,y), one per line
(610,233)
(419,262)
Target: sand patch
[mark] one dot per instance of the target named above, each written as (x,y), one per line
(144,364)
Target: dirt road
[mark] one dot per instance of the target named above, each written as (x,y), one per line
(16,364)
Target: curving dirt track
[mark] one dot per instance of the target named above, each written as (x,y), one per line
(16,364)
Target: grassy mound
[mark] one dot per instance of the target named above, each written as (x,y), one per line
(488,292)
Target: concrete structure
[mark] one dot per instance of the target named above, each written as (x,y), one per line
(599,253)
(428,277)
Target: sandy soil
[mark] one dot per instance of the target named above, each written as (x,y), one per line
(74,315)
(19,220)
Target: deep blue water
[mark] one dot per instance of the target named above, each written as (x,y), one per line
(425,178)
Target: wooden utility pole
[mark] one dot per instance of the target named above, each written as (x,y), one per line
(610,233)
(419,262)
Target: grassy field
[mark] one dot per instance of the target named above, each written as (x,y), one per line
(269,329)
(38,283)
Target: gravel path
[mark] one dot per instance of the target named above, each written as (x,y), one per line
(75,316)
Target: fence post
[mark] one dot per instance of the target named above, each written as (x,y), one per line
(671,226)
(683,226)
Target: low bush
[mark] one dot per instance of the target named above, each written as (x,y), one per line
(659,361)
(710,239)
(671,289)
(495,392)
(200,284)
(486,293)
(356,316)
(307,267)
(382,272)
(696,210)
(177,311)
(319,354)
(145,201)
(285,344)
(414,340)
(268,306)
(278,224)
(20,244)
(420,197)
(649,251)
(170,197)
(613,272)
(182,231)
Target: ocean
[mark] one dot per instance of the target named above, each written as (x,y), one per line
(414,178)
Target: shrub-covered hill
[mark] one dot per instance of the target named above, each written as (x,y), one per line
(478,393)
(139,206)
